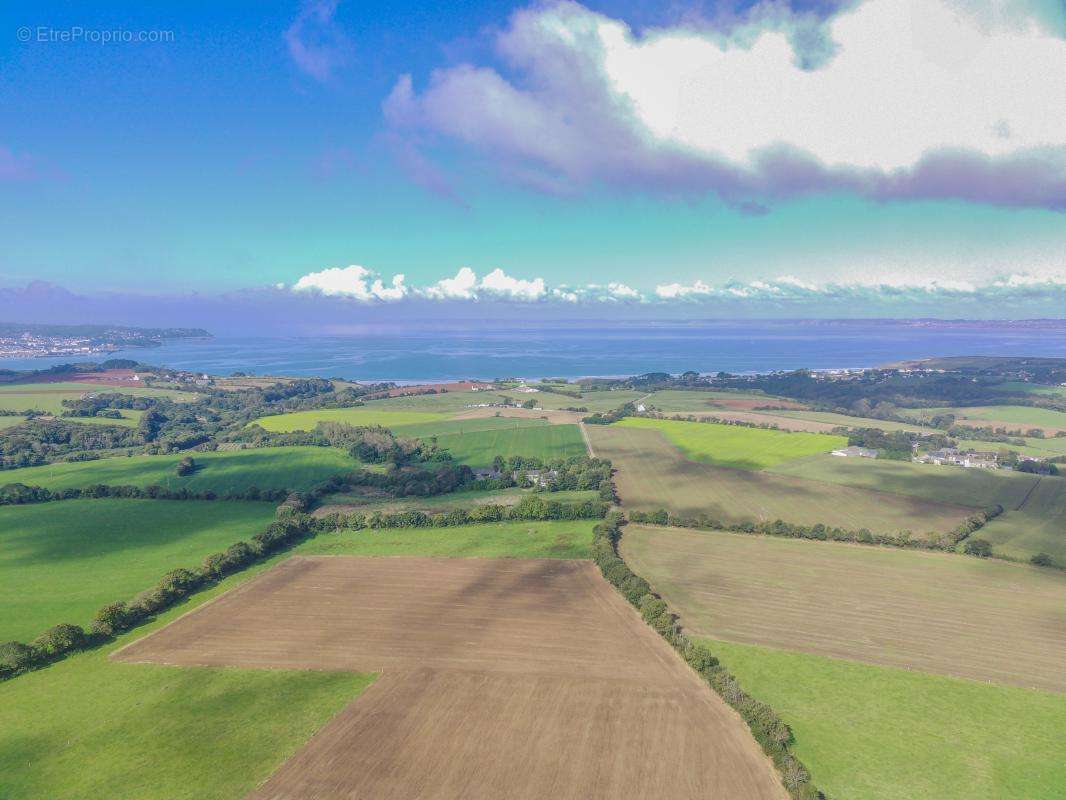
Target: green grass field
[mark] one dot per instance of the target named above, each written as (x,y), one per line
(369,502)
(1033,388)
(445,427)
(688,400)
(360,415)
(545,442)
(846,421)
(221,471)
(977,488)
(1039,526)
(60,562)
(1050,447)
(880,733)
(131,418)
(737,446)
(10,422)
(89,727)
(49,397)
(555,539)
(652,474)
(1011,417)
(442,403)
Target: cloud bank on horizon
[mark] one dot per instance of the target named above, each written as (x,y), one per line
(889,99)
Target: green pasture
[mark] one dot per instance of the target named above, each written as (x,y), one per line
(131,418)
(359,416)
(1033,388)
(89,727)
(737,446)
(221,471)
(545,442)
(1011,417)
(446,427)
(691,400)
(846,421)
(370,502)
(10,422)
(442,402)
(526,539)
(61,561)
(977,488)
(49,397)
(882,733)
(1039,526)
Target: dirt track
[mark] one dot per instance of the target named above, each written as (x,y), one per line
(500,678)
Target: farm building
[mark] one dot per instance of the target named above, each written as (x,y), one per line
(972,459)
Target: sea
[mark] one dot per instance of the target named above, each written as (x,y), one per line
(599,349)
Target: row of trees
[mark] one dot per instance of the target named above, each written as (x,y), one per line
(14,494)
(60,640)
(769,730)
(933,541)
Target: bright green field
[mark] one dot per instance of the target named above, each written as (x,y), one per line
(881,733)
(360,415)
(445,427)
(544,442)
(977,488)
(222,471)
(1038,527)
(50,396)
(87,727)
(1033,388)
(131,417)
(1049,447)
(737,446)
(553,539)
(60,562)
(444,402)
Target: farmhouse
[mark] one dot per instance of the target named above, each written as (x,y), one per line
(855,452)
(971,459)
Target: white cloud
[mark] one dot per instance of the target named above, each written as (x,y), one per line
(499,283)
(620,291)
(316,43)
(671,291)
(354,281)
(913,98)
(462,287)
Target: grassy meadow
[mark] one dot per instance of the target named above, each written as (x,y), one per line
(938,612)
(370,502)
(1010,417)
(60,562)
(89,727)
(653,474)
(1039,526)
(880,733)
(524,539)
(466,425)
(359,415)
(737,446)
(845,421)
(976,488)
(694,401)
(478,449)
(221,471)
(49,397)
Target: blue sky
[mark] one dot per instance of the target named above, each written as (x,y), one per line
(270,142)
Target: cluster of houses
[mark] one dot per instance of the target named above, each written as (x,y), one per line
(972,459)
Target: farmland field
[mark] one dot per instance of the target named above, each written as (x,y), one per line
(154,732)
(652,474)
(467,425)
(546,442)
(1039,526)
(1010,417)
(536,656)
(843,420)
(525,539)
(49,397)
(938,612)
(10,422)
(443,402)
(963,740)
(370,501)
(221,471)
(359,415)
(131,417)
(593,401)
(60,562)
(735,445)
(670,400)
(977,488)
(1033,388)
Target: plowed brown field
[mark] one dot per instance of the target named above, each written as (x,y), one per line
(500,678)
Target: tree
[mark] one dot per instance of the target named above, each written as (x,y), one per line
(982,548)
(1042,560)
(186,466)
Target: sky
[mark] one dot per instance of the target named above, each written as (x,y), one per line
(369,159)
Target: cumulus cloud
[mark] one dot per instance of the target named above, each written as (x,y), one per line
(354,281)
(888,98)
(500,283)
(315,41)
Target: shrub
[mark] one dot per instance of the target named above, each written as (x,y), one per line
(1042,560)
(60,639)
(982,548)
(110,619)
